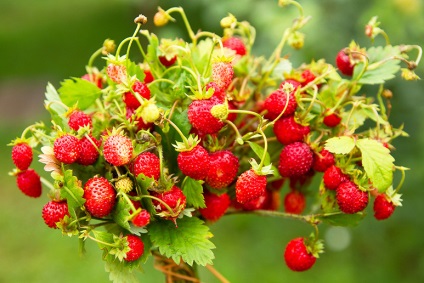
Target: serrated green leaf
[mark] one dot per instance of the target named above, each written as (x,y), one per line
(119,272)
(134,69)
(144,184)
(259,151)
(54,106)
(103,238)
(340,145)
(193,190)
(78,91)
(342,219)
(201,54)
(121,213)
(377,162)
(189,241)
(72,192)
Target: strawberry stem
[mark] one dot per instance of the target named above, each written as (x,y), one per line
(161,201)
(402,180)
(47,184)
(186,22)
(185,140)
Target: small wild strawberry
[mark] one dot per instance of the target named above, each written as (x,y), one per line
(167,62)
(295,160)
(323,160)
(22,155)
(99,196)
(142,218)
(383,207)
(222,74)
(89,150)
(117,73)
(333,177)
(295,84)
(29,183)
(222,170)
(79,119)
(131,100)
(236,44)
(294,202)
(250,186)
(343,63)
(276,103)
(146,163)
(136,246)
(194,163)
(287,130)
(201,118)
(174,198)
(307,77)
(216,206)
(54,211)
(218,92)
(332,120)
(350,198)
(148,76)
(297,256)
(67,148)
(118,149)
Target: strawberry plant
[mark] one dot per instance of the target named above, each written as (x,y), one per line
(142,155)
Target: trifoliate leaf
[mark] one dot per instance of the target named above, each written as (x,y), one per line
(341,219)
(72,192)
(340,145)
(188,242)
(54,106)
(377,162)
(193,191)
(78,91)
(259,150)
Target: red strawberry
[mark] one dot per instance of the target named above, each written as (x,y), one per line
(67,148)
(174,198)
(222,74)
(223,169)
(333,177)
(294,83)
(350,198)
(236,44)
(148,77)
(250,186)
(276,102)
(99,196)
(53,212)
(117,73)
(294,202)
(194,163)
(216,206)
(94,78)
(287,130)
(118,149)
(323,160)
(79,119)
(295,160)
(142,218)
(200,117)
(218,92)
(22,155)
(89,150)
(343,63)
(167,62)
(136,246)
(332,120)
(129,98)
(307,77)
(146,163)
(383,207)
(257,203)
(29,183)
(297,256)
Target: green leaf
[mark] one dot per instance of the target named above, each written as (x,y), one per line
(259,151)
(189,241)
(134,69)
(340,145)
(119,272)
(72,192)
(193,190)
(79,91)
(377,162)
(144,184)
(341,219)
(54,106)
(121,213)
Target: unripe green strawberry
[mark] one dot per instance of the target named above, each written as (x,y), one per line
(297,256)
(22,155)
(323,160)
(136,246)
(124,185)
(250,186)
(140,124)
(78,119)
(29,183)
(174,198)
(223,169)
(216,206)
(67,148)
(350,198)
(129,98)
(118,149)
(383,207)
(194,163)
(276,102)
(201,118)
(236,44)
(53,212)
(222,74)
(100,196)
(333,177)
(89,150)
(142,218)
(146,163)
(287,130)
(294,202)
(295,160)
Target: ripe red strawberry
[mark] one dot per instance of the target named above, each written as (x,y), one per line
(257,203)
(383,207)
(293,82)
(148,76)
(146,163)
(174,198)
(29,183)
(307,77)
(136,246)
(250,186)
(216,206)
(236,44)
(350,198)
(194,163)
(99,196)
(67,148)
(297,256)
(344,64)
(89,151)
(332,120)
(200,117)
(323,160)
(22,155)
(94,78)
(138,121)
(142,218)
(287,130)
(79,119)
(276,102)
(53,212)
(218,92)
(118,149)
(294,202)
(223,169)
(117,73)
(129,98)
(167,63)
(222,74)
(333,177)
(295,160)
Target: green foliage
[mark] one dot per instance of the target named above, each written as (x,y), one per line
(72,192)
(79,92)
(340,145)
(193,190)
(341,219)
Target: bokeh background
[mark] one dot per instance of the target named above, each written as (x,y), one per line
(49,40)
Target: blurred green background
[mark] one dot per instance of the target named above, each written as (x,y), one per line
(48,41)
